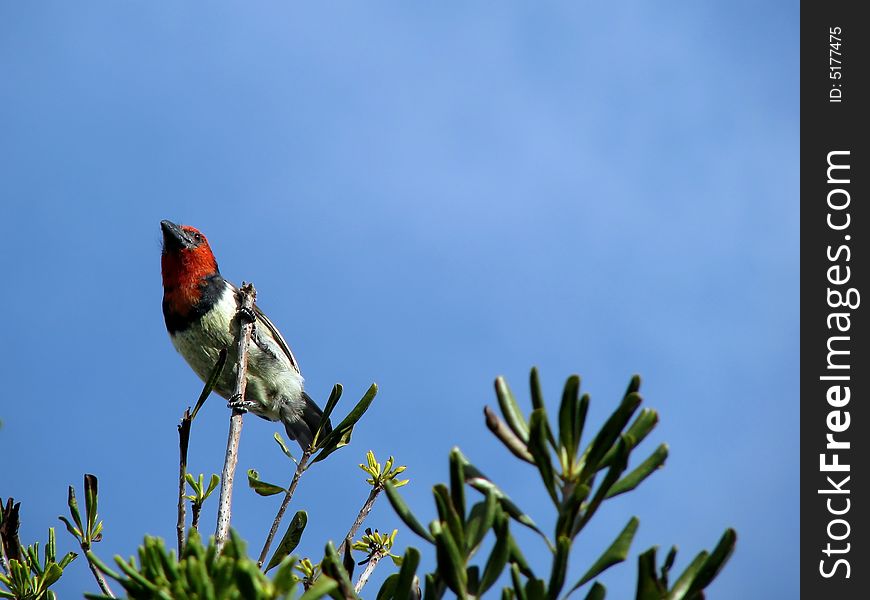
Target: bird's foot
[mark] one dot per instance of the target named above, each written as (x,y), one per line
(236,402)
(247,315)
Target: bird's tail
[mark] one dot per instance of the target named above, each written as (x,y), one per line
(303,429)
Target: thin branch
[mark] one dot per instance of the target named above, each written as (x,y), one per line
(196,509)
(367,572)
(363,513)
(183,442)
(101,581)
(246,326)
(300,468)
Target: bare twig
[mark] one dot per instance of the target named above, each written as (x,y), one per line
(367,572)
(288,495)
(183,442)
(246,326)
(363,513)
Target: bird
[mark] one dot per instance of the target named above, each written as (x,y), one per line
(201,312)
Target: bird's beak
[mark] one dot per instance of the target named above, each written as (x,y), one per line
(174,237)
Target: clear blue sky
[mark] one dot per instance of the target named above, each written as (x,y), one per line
(426,197)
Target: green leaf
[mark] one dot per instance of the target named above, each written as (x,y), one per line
(479,522)
(331,566)
(714,563)
(334,397)
(405,513)
(388,588)
(451,566)
(511,410)
(290,540)
(210,382)
(568,414)
(644,470)
(498,557)
(642,425)
(340,436)
(535,386)
(405,580)
(507,437)
(541,453)
(596,592)
(680,591)
(52,574)
(612,476)
(519,588)
(616,553)
(560,567)
(90,503)
(261,487)
(457,482)
(320,588)
(483,484)
(283,445)
(448,515)
(648,585)
(608,435)
(74,509)
(212,484)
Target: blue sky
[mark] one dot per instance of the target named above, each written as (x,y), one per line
(426,197)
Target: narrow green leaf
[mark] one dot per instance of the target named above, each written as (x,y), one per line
(283,445)
(680,591)
(498,557)
(541,453)
(644,470)
(388,588)
(212,484)
(331,567)
(210,382)
(607,483)
(648,585)
(579,421)
(52,574)
(483,484)
(457,482)
(507,437)
(568,413)
(535,386)
(324,586)
(290,540)
(608,435)
(74,508)
(90,503)
(352,417)
(451,566)
(519,588)
(448,515)
(480,521)
(596,592)
(334,397)
(616,553)
(261,487)
(642,425)
(511,410)
(560,567)
(714,563)
(405,580)
(405,513)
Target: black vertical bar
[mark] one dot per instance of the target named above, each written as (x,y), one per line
(835,225)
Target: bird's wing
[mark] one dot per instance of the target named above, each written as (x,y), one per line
(264,320)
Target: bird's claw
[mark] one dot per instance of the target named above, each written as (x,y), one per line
(247,314)
(236,402)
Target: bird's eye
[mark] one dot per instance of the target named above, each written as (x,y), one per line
(197,237)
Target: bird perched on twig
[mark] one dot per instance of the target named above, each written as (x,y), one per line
(200,308)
